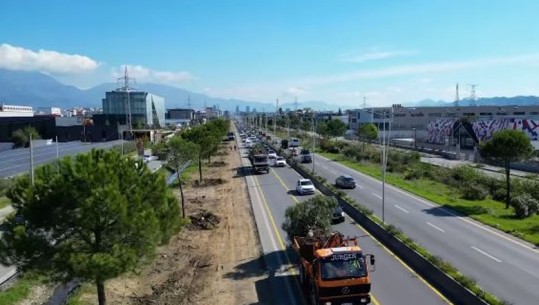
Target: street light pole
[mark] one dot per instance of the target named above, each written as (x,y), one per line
(314,139)
(383,168)
(31,161)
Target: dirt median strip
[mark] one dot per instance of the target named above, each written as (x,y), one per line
(215,260)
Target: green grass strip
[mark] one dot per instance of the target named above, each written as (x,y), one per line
(487,211)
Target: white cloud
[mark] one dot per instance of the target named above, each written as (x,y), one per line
(435,67)
(143,74)
(359,58)
(294,91)
(17,58)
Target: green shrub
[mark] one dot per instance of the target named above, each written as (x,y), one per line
(472,191)
(5,184)
(525,205)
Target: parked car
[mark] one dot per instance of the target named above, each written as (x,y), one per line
(280,162)
(305,186)
(345,181)
(338,215)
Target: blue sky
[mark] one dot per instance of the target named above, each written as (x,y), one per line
(337,51)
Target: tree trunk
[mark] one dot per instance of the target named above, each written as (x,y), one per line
(181,192)
(200,168)
(507,178)
(101,298)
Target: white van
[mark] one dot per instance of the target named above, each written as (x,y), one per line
(294,142)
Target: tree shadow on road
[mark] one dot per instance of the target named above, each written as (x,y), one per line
(278,271)
(242,171)
(455,211)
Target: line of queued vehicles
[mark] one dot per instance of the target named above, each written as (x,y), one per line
(333,270)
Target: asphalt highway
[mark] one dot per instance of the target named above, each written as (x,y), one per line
(500,263)
(17,161)
(392,282)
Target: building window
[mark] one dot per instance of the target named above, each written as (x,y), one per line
(519,113)
(501,113)
(469,114)
(435,115)
(534,113)
(417,114)
(400,115)
(486,113)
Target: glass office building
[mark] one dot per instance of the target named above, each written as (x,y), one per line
(146,109)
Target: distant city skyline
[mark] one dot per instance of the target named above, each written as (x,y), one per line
(337,52)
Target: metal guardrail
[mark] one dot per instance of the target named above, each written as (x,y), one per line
(448,286)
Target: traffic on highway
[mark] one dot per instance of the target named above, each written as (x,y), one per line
(392,281)
(499,262)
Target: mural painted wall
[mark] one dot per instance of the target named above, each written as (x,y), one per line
(439,129)
(484,129)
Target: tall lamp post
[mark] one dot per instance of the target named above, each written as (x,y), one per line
(387,117)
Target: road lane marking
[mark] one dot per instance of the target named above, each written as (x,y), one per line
(375,301)
(276,232)
(376,195)
(402,209)
(448,212)
(486,254)
(440,295)
(284,185)
(436,227)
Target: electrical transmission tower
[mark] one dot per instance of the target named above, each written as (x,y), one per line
(188,101)
(125,86)
(473,96)
(364,104)
(296,104)
(457,99)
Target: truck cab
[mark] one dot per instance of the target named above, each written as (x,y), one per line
(338,274)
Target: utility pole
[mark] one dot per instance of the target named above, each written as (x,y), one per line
(31,161)
(314,139)
(383,167)
(275,118)
(57,156)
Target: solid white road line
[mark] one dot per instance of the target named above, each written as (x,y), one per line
(486,254)
(402,209)
(436,227)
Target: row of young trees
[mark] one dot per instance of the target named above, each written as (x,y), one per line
(196,144)
(97,215)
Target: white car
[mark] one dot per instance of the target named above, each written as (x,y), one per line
(148,158)
(272,154)
(305,186)
(280,162)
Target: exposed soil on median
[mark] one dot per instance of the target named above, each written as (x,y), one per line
(195,267)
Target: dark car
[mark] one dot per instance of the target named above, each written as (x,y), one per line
(345,182)
(306,159)
(338,215)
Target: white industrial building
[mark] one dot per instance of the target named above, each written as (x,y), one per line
(15,111)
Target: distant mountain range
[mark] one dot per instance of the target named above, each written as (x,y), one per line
(37,89)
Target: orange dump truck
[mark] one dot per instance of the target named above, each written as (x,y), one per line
(334,270)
